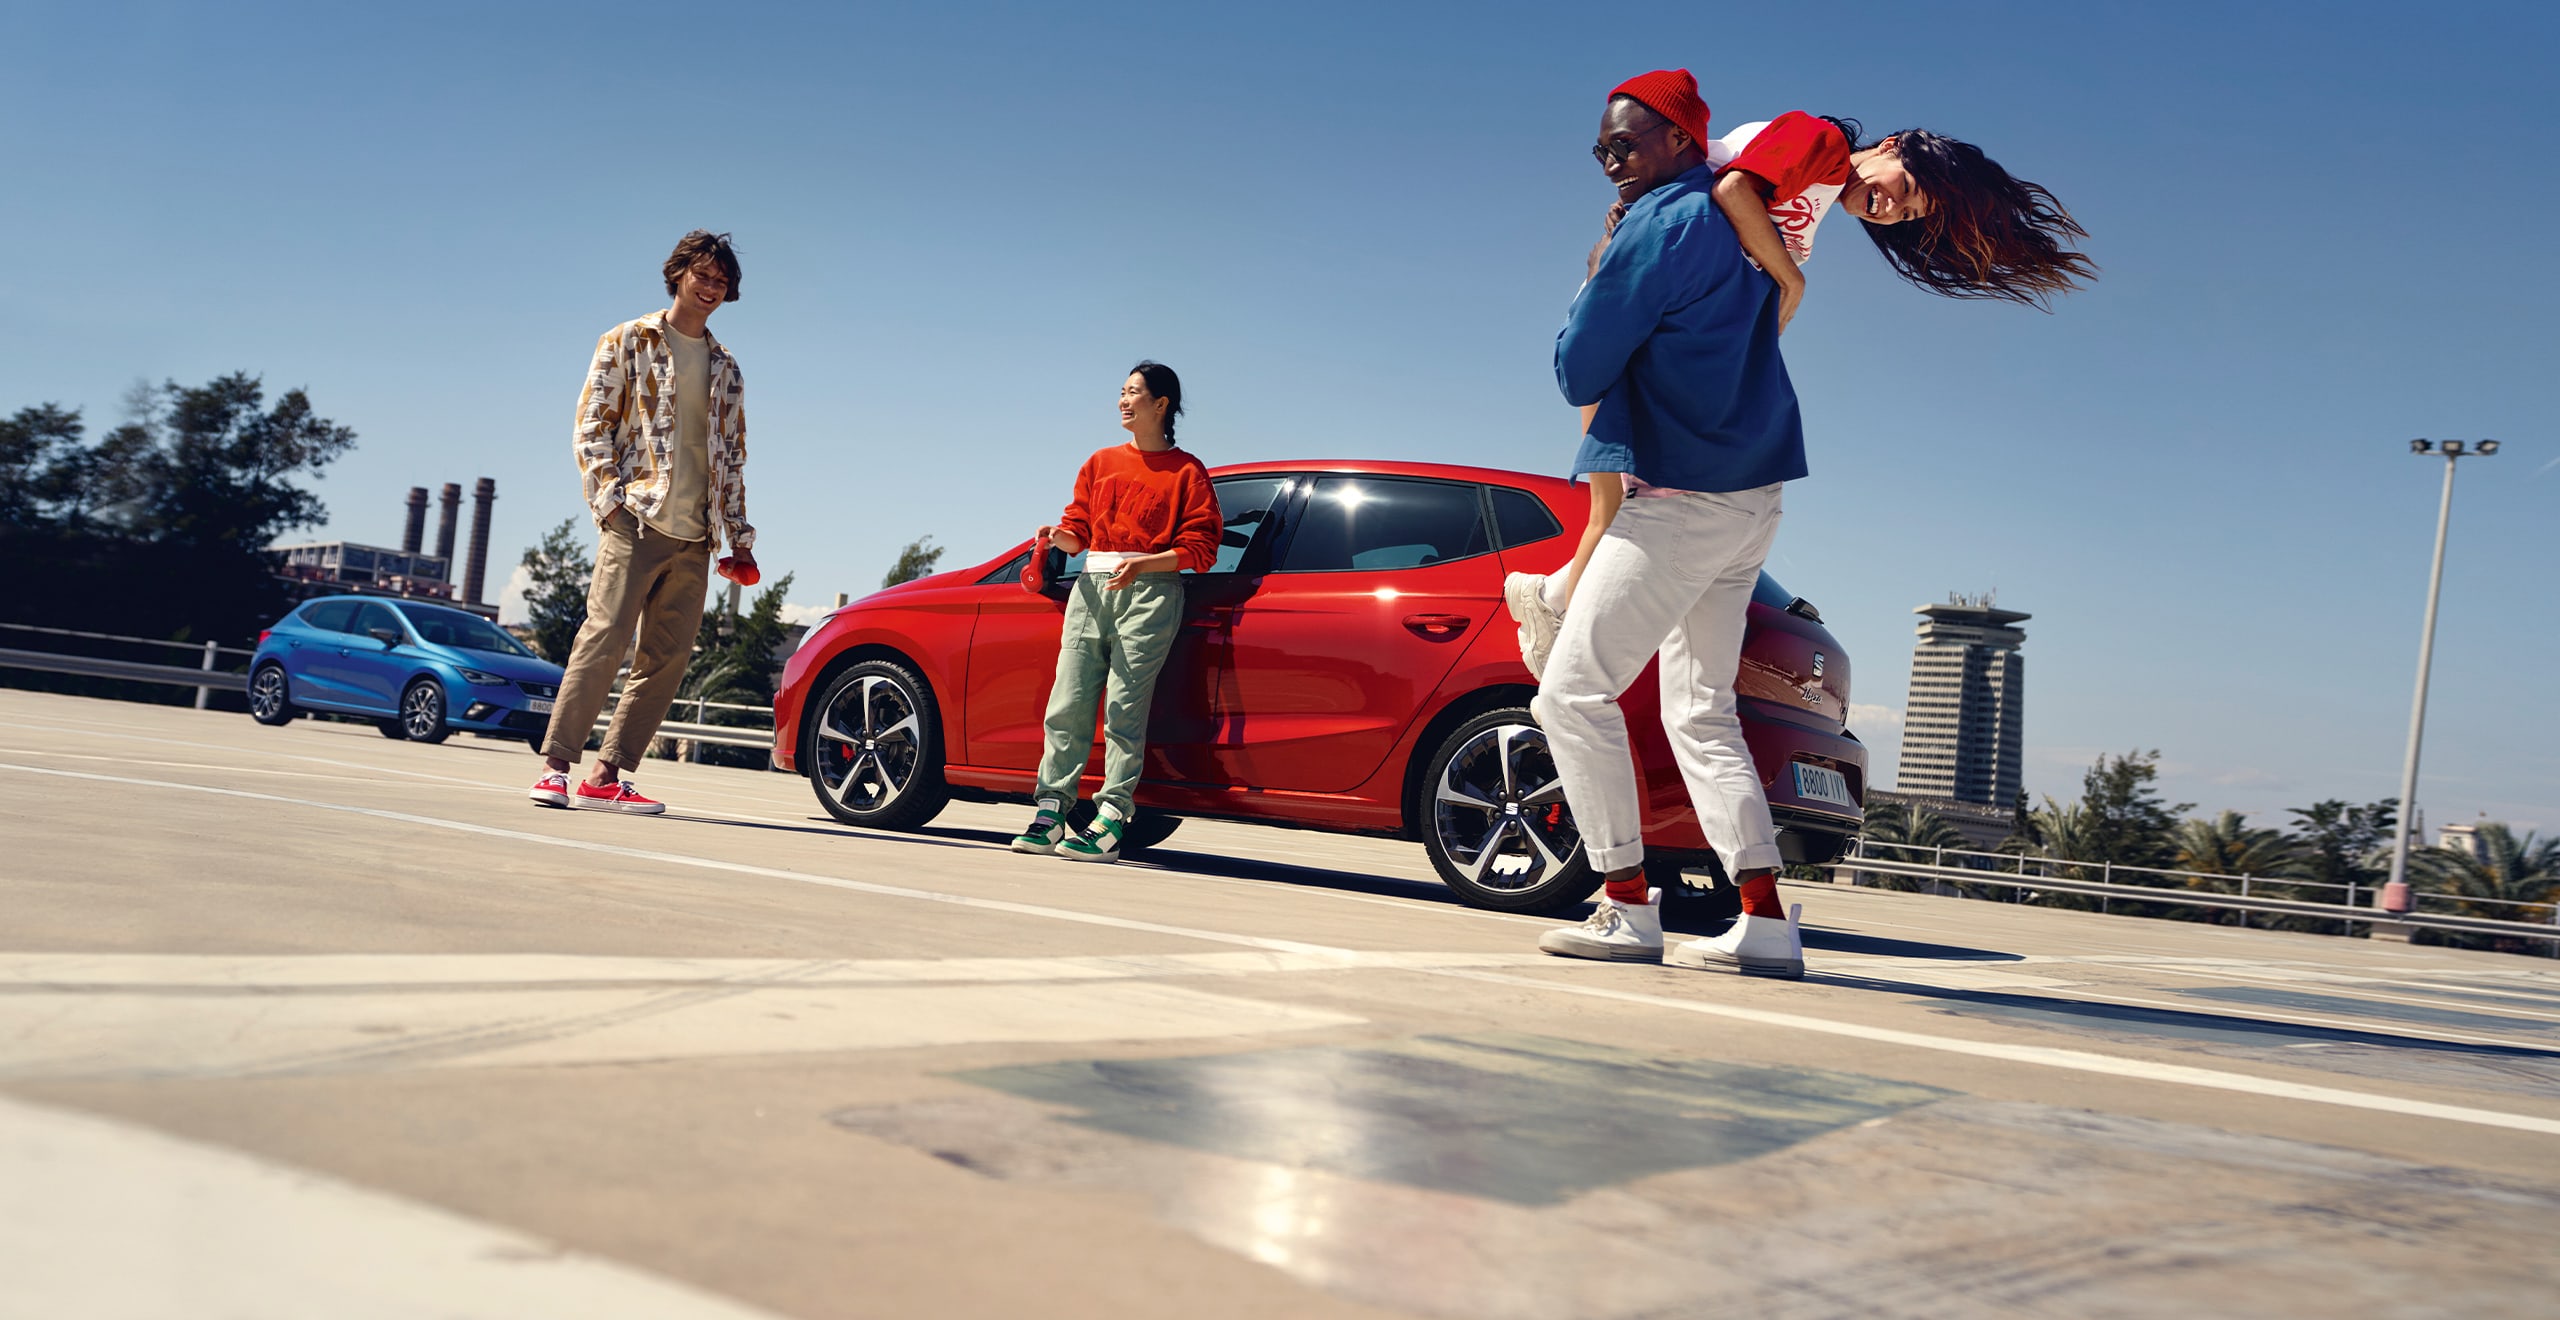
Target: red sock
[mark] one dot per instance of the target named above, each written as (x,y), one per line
(1760,896)
(1633,890)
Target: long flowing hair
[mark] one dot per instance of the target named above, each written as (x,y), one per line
(1988,234)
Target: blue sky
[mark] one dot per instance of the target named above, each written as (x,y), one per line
(1354,229)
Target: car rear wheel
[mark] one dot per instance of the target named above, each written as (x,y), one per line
(874,750)
(270,695)
(422,712)
(1494,818)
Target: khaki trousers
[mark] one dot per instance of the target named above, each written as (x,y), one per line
(651,582)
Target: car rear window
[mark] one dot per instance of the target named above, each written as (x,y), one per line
(1522,517)
(1359,522)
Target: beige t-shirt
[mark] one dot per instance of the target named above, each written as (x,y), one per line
(686,515)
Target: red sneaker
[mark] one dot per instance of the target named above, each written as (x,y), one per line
(552,790)
(616,796)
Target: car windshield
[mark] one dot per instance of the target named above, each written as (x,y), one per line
(469,632)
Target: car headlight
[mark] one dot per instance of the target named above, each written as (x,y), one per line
(481,677)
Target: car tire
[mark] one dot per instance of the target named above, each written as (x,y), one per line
(392,729)
(1147,829)
(422,712)
(873,746)
(271,695)
(1494,820)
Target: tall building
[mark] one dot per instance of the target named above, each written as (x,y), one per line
(1962,735)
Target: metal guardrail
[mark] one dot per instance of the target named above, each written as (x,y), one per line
(2203,898)
(206,680)
(1977,862)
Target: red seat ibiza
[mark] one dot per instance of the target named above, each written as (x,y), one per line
(1345,665)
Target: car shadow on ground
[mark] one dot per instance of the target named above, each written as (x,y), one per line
(1178,862)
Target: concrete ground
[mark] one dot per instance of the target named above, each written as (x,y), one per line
(304,1022)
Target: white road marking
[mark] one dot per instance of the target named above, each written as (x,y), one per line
(160,1036)
(2044,1056)
(107,1221)
(2039,1056)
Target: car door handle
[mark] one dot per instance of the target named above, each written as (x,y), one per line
(1436,627)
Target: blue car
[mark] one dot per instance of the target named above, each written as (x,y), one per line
(418,671)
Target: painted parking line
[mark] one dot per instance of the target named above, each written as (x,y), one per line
(108,1221)
(2081,1061)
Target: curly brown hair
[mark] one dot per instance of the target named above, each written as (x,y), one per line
(694,247)
(1988,234)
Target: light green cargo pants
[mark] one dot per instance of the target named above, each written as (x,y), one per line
(1118,637)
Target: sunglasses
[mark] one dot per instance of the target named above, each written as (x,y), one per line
(1619,148)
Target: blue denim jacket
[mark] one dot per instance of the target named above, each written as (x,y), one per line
(1676,338)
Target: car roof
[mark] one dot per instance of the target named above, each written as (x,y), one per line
(1376,467)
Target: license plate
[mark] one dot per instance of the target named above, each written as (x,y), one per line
(1818,784)
(540,706)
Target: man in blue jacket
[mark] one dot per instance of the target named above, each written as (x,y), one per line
(1675,338)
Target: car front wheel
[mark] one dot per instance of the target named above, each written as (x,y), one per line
(422,712)
(1494,818)
(270,695)
(874,749)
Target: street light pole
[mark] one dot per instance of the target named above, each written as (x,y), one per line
(2395,894)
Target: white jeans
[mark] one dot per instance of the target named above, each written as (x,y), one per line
(1673,574)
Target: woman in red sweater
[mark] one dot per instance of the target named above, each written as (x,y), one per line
(1142,513)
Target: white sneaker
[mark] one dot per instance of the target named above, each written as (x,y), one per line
(1524,594)
(1614,932)
(552,790)
(1755,946)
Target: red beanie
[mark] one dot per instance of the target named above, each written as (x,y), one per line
(1672,94)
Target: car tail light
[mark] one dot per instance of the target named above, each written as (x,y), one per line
(264,634)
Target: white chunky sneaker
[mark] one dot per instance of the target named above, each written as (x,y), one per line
(1524,594)
(1047,830)
(1614,932)
(1755,946)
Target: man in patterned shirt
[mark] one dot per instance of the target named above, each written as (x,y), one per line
(662,448)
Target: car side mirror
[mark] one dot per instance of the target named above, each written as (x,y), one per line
(389,637)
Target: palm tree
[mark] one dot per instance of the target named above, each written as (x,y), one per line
(2227,845)
(1895,832)
(2505,871)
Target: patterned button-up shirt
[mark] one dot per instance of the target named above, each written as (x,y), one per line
(627,429)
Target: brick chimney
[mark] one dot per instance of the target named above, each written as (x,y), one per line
(416,532)
(444,526)
(475,572)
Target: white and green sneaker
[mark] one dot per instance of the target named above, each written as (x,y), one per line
(1048,829)
(1101,843)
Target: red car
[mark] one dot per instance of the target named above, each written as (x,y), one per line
(1346,665)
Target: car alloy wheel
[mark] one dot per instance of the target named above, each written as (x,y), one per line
(1495,820)
(422,712)
(875,747)
(270,701)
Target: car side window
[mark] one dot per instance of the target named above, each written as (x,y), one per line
(1360,522)
(330,615)
(1246,505)
(370,616)
(1522,518)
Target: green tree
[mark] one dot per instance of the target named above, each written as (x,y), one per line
(2505,870)
(34,444)
(2126,822)
(1899,832)
(2229,845)
(2340,845)
(916,559)
(561,572)
(158,527)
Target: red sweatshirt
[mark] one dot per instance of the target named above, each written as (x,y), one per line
(1130,501)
